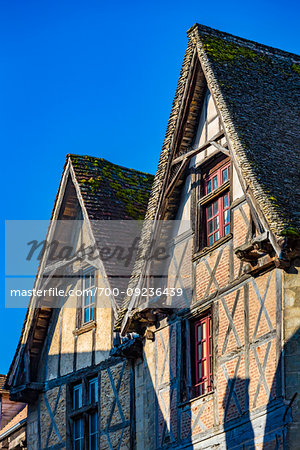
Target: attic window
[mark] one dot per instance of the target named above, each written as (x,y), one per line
(213,202)
(88,300)
(217,215)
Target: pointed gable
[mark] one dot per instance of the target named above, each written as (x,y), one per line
(98,190)
(254,90)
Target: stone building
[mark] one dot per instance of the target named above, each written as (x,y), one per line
(12,420)
(206,341)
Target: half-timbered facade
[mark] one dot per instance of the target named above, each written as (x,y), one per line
(77,395)
(215,365)
(220,366)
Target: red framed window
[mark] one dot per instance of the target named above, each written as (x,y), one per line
(217,212)
(202,358)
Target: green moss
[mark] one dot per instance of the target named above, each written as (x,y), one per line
(291,232)
(226,51)
(296,68)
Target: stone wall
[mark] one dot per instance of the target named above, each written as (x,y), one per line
(291,289)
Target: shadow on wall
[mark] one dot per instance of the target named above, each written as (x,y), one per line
(273,427)
(181,425)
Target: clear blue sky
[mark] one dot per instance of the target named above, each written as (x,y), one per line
(98,78)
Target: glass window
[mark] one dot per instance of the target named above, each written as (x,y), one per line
(217,212)
(93,431)
(77,396)
(78,434)
(93,390)
(88,303)
(202,357)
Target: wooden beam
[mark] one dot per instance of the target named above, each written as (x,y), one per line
(173,182)
(202,147)
(221,148)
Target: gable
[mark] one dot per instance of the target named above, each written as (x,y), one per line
(107,192)
(255,148)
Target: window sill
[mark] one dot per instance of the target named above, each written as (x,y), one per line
(194,399)
(85,328)
(210,249)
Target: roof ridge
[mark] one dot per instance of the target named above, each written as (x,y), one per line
(242,41)
(109,162)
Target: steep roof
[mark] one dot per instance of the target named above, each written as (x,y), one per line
(110,191)
(256,90)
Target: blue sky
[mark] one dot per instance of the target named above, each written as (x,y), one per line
(98,78)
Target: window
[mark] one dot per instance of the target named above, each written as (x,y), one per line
(201,358)
(197,357)
(88,301)
(84,414)
(213,203)
(217,211)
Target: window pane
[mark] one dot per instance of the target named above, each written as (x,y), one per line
(224,175)
(92,313)
(77,396)
(93,423)
(226,201)
(210,240)
(86,281)
(216,223)
(93,390)
(199,371)
(86,316)
(216,207)
(93,442)
(86,300)
(227,229)
(209,211)
(215,182)
(92,279)
(210,227)
(198,333)
(78,428)
(199,353)
(226,216)
(79,444)
(209,186)
(216,236)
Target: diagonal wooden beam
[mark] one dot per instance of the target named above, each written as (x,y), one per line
(220,147)
(202,147)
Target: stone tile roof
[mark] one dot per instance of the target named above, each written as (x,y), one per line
(110,191)
(256,89)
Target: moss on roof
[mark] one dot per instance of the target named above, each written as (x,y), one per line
(111,191)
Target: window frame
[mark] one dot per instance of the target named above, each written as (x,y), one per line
(83,412)
(90,306)
(204,199)
(189,390)
(201,384)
